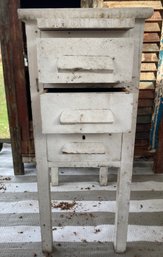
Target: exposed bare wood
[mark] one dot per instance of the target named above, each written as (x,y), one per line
(147,76)
(156,16)
(148,67)
(154,4)
(152,27)
(149,57)
(151,37)
(150,48)
(147,85)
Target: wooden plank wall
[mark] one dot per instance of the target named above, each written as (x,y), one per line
(151,48)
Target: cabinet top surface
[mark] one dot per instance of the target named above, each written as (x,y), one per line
(98,13)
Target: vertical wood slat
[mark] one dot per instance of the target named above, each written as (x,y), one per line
(11,45)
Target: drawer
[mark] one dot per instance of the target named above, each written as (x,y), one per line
(85,60)
(84,148)
(63,113)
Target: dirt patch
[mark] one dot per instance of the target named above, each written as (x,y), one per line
(63,205)
(2,187)
(3,178)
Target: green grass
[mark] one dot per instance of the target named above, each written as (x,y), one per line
(4,128)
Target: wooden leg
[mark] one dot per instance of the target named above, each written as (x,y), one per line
(54,176)
(43,176)
(103,176)
(45,207)
(123,197)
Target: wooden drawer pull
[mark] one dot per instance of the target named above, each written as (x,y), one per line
(83,148)
(85,63)
(86,117)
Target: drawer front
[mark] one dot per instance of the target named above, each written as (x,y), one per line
(84,148)
(85,60)
(64,113)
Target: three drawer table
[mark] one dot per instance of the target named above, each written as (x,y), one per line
(84,69)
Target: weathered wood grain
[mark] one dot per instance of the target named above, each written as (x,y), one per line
(148,67)
(154,4)
(152,27)
(156,16)
(147,85)
(14,78)
(150,48)
(147,93)
(147,76)
(151,37)
(145,102)
(149,57)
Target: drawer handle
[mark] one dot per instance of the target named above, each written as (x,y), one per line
(83,148)
(85,63)
(86,117)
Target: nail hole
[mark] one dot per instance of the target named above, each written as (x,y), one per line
(83,137)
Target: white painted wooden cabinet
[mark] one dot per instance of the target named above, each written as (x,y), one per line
(84,73)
